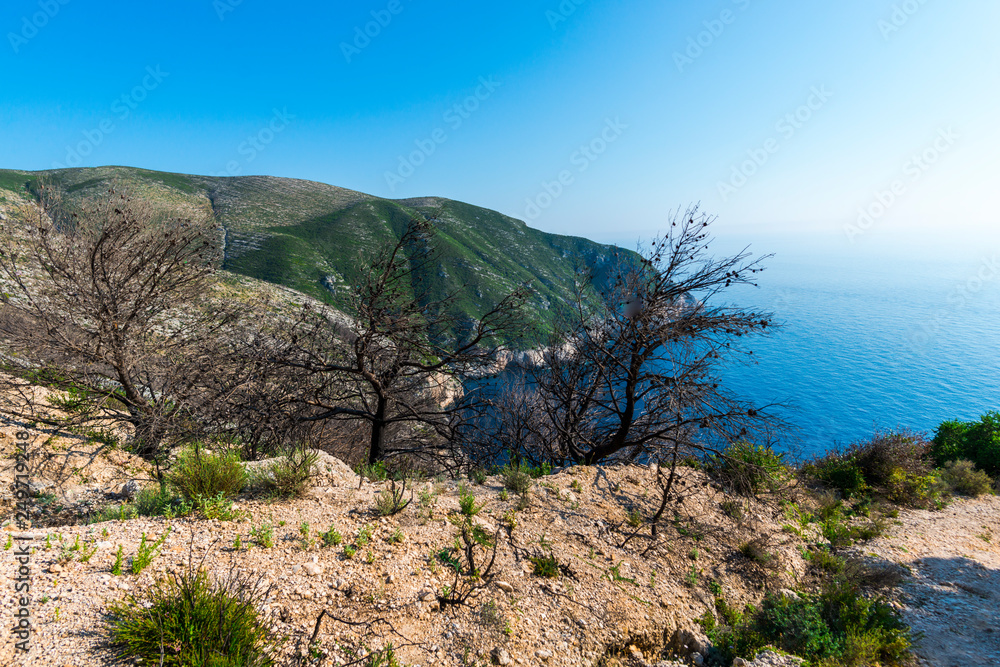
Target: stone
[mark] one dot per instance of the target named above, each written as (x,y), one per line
(542,654)
(635,652)
(505,586)
(313,569)
(500,657)
(129,489)
(55,568)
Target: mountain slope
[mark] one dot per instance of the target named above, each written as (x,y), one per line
(309,236)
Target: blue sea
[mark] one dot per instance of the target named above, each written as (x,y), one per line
(873,337)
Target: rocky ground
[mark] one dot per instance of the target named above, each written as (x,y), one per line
(619,596)
(952,599)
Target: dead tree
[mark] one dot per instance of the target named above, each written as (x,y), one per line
(396,364)
(108,302)
(636,375)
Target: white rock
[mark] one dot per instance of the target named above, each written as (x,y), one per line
(505,587)
(542,654)
(313,569)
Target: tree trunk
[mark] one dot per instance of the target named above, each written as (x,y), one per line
(375,446)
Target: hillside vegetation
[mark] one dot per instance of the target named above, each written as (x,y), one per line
(309,236)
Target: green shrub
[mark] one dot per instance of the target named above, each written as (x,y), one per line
(895,464)
(962,477)
(288,476)
(207,475)
(978,442)
(545,565)
(467,502)
(839,471)
(838,626)
(748,469)
(187,620)
(516,479)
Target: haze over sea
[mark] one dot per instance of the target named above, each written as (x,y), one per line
(874,336)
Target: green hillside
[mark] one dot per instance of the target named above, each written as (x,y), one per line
(310,236)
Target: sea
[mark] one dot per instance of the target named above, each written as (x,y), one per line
(874,335)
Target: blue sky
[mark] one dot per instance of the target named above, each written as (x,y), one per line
(588,117)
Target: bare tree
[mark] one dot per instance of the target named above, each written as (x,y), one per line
(109,303)
(636,375)
(397,363)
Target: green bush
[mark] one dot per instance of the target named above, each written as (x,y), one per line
(207,475)
(289,476)
(894,464)
(962,477)
(516,479)
(838,626)
(749,469)
(186,620)
(978,442)
(839,471)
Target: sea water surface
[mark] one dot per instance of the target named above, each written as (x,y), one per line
(874,339)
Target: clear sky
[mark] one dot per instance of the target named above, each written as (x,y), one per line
(588,117)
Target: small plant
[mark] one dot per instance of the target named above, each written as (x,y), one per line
(715,587)
(616,575)
(467,502)
(200,475)
(576,486)
(289,476)
(237,544)
(350,550)
(478,476)
(691,578)
(634,518)
(331,538)
(188,619)
(390,501)
(693,555)
(263,535)
(755,551)
(732,508)
(375,472)
(147,552)
(9,543)
(545,565)
(104,532)
(116,569)
(304,531)
(504,495)
(492,616)
(365,535)
(396,536)
(218,507)
(516,479)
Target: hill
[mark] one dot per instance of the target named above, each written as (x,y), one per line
(309,236)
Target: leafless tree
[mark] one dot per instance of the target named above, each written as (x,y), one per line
(396,364)
(635,376)
(109,302)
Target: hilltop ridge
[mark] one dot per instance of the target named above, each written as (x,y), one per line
(309,236)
